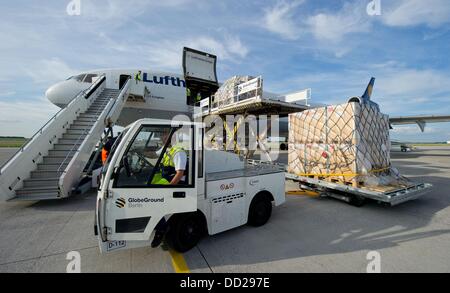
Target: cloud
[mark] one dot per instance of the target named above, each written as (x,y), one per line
(48,71)
(166,54)
(235,46)
(24,117)
(432,13)
(410,129)
(433,133)
(327,29)
(352,18)
(413,82)
(280,20)
(7,94)
(284,20)
(228,48)
(398,89)
(116,13)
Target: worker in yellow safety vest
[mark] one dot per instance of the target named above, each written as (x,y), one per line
(198,98)
(137,76)
(188,93)
(173,167)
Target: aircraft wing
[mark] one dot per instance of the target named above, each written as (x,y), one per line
(420,120)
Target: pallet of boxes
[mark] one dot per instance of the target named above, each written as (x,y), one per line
(227,94)
(344,144)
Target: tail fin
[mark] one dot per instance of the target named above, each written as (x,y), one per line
(368,93)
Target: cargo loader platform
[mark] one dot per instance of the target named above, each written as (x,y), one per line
(357,195)
(390,195)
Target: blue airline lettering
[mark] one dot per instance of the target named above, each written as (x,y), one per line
(174,81)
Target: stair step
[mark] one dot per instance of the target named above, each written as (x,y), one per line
(66,147)
(39,174)
(41,182)
(46,195)
(86,118)
(56,159)
(96,112)
(61,153)
(82,123)
(100,103)
(84,115)
(51,167)
(68,141)
(74,136)
(93,112)
(31,190)
(80,127)
(75,131)
(95,109)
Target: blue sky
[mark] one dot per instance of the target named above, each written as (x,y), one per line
(333,47)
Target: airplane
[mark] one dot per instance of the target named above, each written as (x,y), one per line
(397,146)
(158,94)
(162,95)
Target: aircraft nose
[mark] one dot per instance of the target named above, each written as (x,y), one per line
(51,94)
(57,95)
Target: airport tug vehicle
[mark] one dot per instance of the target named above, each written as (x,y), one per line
(219,191)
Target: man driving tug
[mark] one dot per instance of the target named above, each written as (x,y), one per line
(173,166)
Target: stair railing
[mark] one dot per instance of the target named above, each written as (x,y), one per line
(81,143)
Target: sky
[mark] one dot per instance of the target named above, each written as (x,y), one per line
(332,47)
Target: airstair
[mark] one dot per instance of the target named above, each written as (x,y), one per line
(51,164)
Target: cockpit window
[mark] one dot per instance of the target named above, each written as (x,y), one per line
(79,77)
(89,77)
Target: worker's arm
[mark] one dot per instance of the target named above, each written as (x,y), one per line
(180,160)
(177,177)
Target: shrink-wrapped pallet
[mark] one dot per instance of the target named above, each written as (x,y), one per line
(228,90)
(347,143)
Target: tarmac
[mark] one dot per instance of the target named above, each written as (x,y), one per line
(305,234)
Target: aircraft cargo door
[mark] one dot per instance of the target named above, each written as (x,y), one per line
(200,75)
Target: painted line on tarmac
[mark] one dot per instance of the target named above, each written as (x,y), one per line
(178,262)
(303,192)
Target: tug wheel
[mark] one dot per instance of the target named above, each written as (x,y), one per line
(185,231)
(260,210)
